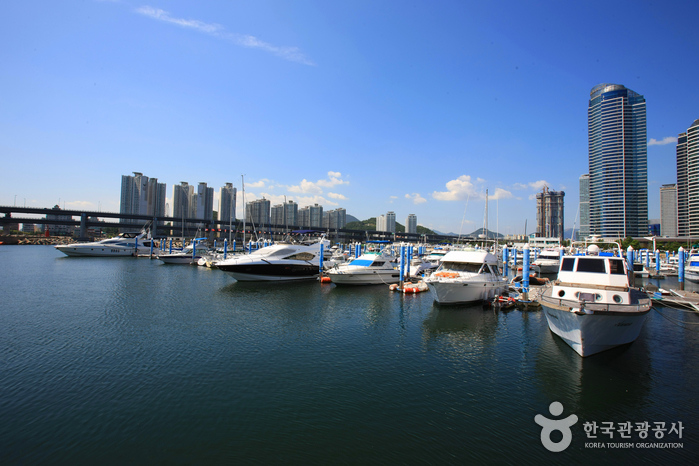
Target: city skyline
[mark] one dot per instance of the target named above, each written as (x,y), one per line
(375,109)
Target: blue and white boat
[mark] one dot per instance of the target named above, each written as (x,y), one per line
(376,266)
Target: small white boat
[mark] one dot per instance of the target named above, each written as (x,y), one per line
(124,245)
(374,267)
(191,254)
(465,277)
(691,268)
(591,305)
(548,260)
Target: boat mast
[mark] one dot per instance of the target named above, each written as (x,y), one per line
(244,212)
(486,218)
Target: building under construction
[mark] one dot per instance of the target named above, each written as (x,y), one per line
(549,213)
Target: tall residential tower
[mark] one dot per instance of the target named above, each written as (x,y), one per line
(618,164)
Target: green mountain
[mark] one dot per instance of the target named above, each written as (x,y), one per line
(370,224)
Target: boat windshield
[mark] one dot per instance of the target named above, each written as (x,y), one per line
(461,267)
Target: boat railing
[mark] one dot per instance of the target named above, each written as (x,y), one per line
(642,305)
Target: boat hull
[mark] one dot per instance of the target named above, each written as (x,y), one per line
(179,259)
(100,251)
(368,277)
(455,292)
(590,334)
(691,275)
(270,271)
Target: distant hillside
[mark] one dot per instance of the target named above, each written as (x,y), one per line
(351,218)
(370,224)
(475,234)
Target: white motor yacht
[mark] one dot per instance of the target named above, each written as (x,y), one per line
(591,305)
(691,267)
(371,268)
(124,245)
(466,276)
(549,260)
(278,262)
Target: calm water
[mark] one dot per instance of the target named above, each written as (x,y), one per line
(130,360)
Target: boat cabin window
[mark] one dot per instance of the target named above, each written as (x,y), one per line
(461,267)
(616,267)
(301,256)
(377,264)
(568,264)
(588,264)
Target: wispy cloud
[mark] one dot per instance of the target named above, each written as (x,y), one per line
(337,196)
(334,179)
(287,53)
(417,199)
(501,194)
(662,142)
(457,190)
(258,184)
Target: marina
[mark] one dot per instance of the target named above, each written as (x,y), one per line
(126,359)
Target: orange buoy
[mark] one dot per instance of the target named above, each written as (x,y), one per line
(325,280)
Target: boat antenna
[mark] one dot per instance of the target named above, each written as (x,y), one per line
(245,213)
(463,218)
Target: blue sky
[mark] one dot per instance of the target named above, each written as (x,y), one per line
(414,107)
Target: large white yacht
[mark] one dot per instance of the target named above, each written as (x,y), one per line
(374,267)
(549,260)
(278,262)
(466,276)
(591,305)
(124,245)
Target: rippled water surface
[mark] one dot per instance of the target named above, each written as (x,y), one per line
(116,360)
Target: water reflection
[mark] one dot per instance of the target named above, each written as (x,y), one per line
(459,330)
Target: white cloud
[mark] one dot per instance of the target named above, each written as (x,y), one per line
(337,196)
(501,194)
(257,184)
(288,53)
(417,199)
(538,185)
(457,189)
(305,187)
(662,142)
(334,179)
(393,197)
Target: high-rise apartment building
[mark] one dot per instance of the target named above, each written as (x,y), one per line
(549,213)
(668,210)
(203,202)
(584,230)
(391,221)
(226,208)
(682,200)
(386,222)
(285,214)
(141,195)
(411,223)
(182,195)
(693,179)
(334,219)
(257,212)
(618,164)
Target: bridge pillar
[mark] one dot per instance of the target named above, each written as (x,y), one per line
(83,225)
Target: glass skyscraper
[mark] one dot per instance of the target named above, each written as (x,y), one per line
(618,164)
(584,231)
